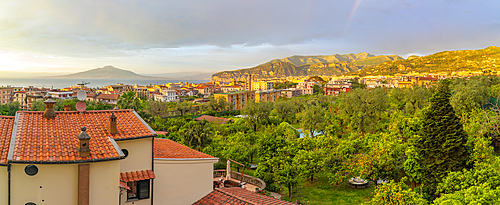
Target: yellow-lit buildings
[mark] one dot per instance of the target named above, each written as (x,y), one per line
(267,95)
(262,85)
(238,99)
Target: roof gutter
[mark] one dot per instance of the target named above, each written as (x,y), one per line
(185,159)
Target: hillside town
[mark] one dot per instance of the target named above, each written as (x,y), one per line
(233,92)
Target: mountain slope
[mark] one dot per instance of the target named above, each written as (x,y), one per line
(306,66)
(104,72)
(486,60)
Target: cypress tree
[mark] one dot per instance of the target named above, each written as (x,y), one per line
(442,140)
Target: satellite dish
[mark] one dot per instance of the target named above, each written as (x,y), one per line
(81,95)
(80,106)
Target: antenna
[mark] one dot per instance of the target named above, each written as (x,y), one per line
(80,106)
(81,95)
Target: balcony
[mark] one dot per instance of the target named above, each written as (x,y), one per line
(251,182)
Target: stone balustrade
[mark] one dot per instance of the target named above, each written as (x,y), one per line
(246,178)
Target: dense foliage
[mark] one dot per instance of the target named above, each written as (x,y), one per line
(435,143)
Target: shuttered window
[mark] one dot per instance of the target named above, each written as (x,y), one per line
(143,189)
(138,189)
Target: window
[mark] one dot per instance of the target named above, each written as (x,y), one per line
(138,190)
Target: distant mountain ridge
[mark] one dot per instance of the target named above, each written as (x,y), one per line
(486,60)
(307,66)
(104,72)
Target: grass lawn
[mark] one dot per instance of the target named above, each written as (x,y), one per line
(321,192)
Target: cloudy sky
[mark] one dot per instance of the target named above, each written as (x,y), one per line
(163,36)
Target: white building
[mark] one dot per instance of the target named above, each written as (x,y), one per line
(65,95)
(167,96)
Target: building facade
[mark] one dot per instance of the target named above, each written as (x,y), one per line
(238,99)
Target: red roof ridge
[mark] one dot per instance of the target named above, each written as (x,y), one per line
(6,116)
(235,195)
(168,149)
(93,111)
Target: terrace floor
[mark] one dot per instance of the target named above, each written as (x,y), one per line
(248,186)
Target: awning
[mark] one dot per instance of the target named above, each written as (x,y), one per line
(124,185)
(137,176)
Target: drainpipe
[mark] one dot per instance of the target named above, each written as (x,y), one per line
(152,169)
(8,170)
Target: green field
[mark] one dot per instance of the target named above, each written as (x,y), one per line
(321,192)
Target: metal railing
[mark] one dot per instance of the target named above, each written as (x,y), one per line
(246,178)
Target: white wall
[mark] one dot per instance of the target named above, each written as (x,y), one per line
(4,182)
(105,182)
(182,181)
(58,182)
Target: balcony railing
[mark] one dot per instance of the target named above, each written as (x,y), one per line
(237,176)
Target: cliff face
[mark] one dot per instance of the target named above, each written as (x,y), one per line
(305,66)
(485,60)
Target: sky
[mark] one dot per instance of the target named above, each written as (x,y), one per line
(163,36)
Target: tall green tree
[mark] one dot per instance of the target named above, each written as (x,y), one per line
(129,100)
(441,144)
(312,119)
(257,113)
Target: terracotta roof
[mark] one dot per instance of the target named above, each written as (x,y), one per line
(6,123)
(212,119)
(168,149)
(136,176)
(237,195)
(38,140)
(124,185)
(108,96)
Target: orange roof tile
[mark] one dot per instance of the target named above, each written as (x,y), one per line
(137,176)
(38,140)
(6,123)
(237,195)
(108,96)
(124,185)
(168,149)
(212,119)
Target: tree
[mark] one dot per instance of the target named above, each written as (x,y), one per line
(184,107)
(317,89)
(10,108)
(257,113)
(129,100)
(284,110)
(442,140)
(37,105)
(363,110)
(396,193)
(482,194)
(312,119)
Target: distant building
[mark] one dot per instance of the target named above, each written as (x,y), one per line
(238,99)
(107,98)
(64,95)
(306,84)
(336,89)
(262,85)
(6,93)
(290,93)
(307,91)
(267,95)
(167,96)
(21,98)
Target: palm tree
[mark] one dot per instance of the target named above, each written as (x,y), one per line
(128,100)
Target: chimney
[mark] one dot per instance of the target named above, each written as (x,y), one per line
(84,169)
(112,127)
(67,108)
(49,109)
(84,142)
